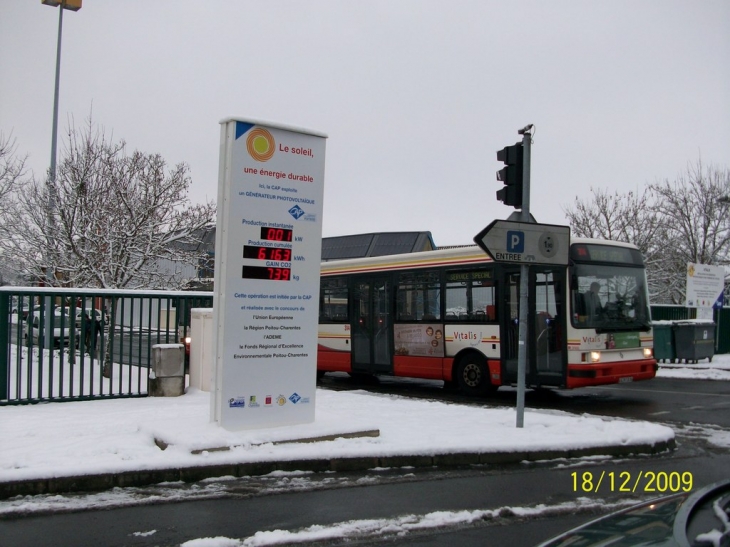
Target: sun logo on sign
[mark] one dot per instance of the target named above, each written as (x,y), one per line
(260,144)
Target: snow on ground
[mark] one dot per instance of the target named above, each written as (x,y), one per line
(717,369)
(89,437)
(50,440)
(402,525)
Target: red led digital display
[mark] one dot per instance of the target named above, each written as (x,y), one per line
(266,253)
(262,272)
(590,252)
(276,234)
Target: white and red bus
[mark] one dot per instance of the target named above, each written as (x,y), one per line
(452,315)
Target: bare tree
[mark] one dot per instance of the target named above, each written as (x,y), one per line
(12,174)
(115,218)
(111,219)
(672,223)
(697,216)
(12,170)
(630,218)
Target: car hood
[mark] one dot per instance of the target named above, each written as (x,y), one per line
(679,520)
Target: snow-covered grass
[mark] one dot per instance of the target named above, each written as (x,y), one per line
(717,369)
(53,440)
(90,437)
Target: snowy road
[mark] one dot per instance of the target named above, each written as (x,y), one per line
(523,503)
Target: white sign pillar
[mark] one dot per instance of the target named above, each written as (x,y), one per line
(268,253)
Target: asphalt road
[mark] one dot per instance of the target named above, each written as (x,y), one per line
(240,508)
(658,400)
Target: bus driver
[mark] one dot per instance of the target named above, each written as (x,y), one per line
(593,301)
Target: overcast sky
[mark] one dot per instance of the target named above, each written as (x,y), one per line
(416,96)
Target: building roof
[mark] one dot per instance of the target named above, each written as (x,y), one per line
(375,244)
(333,248)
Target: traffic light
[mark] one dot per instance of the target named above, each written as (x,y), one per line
(511,175)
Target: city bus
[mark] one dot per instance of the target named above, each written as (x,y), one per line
(452,315)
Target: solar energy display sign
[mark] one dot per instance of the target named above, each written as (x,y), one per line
(268,252)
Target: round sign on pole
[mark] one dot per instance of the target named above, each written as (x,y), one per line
(548,245)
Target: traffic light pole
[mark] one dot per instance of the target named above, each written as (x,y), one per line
(526,133)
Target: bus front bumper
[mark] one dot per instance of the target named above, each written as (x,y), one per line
(584,375)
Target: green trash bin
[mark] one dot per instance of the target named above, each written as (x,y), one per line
(664,342)
(694,340)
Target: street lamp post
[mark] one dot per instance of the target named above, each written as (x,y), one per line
(73,5)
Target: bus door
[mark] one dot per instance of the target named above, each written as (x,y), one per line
(371,324)
(549,349)
(547,346)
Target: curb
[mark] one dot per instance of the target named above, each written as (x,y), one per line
(106,481)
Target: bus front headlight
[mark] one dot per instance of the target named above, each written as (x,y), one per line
(648,353)
(595,356)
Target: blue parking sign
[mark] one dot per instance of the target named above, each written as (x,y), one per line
(515,241)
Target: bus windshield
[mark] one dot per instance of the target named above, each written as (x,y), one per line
(609,298)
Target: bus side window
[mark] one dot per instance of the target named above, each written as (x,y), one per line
(483,297)
(333,300)
(471,296)
(418,297)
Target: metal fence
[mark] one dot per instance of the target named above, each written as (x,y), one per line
(722,319)
(80,344)
(663,312)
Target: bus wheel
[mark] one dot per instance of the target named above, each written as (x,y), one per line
(472,375)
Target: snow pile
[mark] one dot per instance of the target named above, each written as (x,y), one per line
(91,437)
(399,526)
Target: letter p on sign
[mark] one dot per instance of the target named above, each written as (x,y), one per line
(515,241)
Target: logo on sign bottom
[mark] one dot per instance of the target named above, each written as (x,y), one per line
(237,402)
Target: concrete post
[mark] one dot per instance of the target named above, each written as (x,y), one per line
(167,373)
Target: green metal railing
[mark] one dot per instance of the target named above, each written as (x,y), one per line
(81,344)
(664,312)
(722,319)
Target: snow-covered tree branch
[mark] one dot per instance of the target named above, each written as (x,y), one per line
(118,219)
(12,170)
(698,222)
(672,222)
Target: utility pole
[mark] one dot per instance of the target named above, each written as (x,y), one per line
(521,240)
(73,5)
(526,133)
